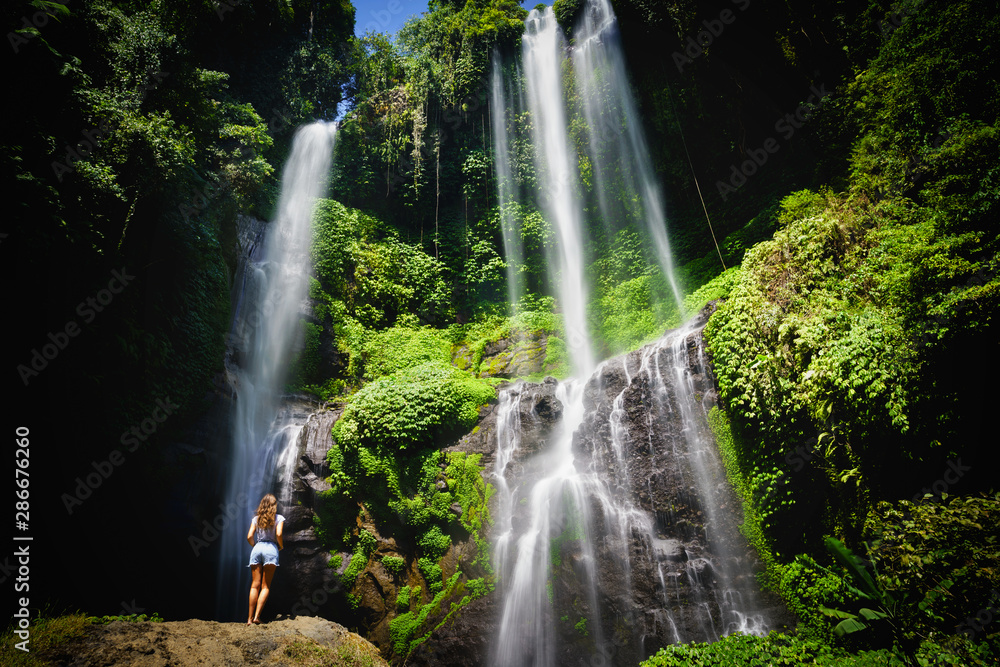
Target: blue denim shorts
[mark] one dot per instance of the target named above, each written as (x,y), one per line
(264,553)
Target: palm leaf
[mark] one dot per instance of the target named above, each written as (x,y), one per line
(856,567)
(873,615)
(836,613)
(848,626)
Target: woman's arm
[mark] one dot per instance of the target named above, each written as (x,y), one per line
(253,524)
(278,532)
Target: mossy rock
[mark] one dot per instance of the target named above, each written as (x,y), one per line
(523,359)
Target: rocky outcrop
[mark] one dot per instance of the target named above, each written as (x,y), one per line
(523,354)
(307,584)
(299,641)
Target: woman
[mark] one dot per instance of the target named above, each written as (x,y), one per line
(266,539)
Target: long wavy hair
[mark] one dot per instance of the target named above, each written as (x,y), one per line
(266,511)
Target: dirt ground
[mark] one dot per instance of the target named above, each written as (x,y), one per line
(299,641)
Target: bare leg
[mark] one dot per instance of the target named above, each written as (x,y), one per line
(264,590)
(255,570)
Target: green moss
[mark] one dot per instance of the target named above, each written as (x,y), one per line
(432,574)
(403,630)
(413,407)
(473,496)
(359,559)
(480,587)
(557,362)
(400,348)
(752,526)
(434,543)
(393,564)
(306,651)
(403,599)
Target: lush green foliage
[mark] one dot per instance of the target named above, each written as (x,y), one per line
(941,559)
(833,355)
(394,564)
(403,599)
(403,628)
(774,649)
(400,348)
(127,618)
(359,559)
(415,407)
(820,336)
(137,140)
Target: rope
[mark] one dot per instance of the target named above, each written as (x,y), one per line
(680,130)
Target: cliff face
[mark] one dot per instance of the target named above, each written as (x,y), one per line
(659,521)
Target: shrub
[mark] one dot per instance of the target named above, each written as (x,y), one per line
(774,650)
(411,408)
(393,564)
(939,557)
(400,347)
(432,574)
(434,543)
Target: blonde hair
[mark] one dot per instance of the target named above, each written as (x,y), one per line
(266,511)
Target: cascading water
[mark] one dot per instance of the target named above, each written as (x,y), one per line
(500,101)
(618,150)
(542,52)
(616,532)
(554,495)
(551,490)
(266,330)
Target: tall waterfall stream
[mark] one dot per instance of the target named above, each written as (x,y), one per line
(615,531)
(272,298)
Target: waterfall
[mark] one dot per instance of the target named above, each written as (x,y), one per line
(507,192)
(616,530)
(556,503)
(542,49)
(266,335)
(618,152)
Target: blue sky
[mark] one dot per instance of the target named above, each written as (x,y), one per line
(388,16)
